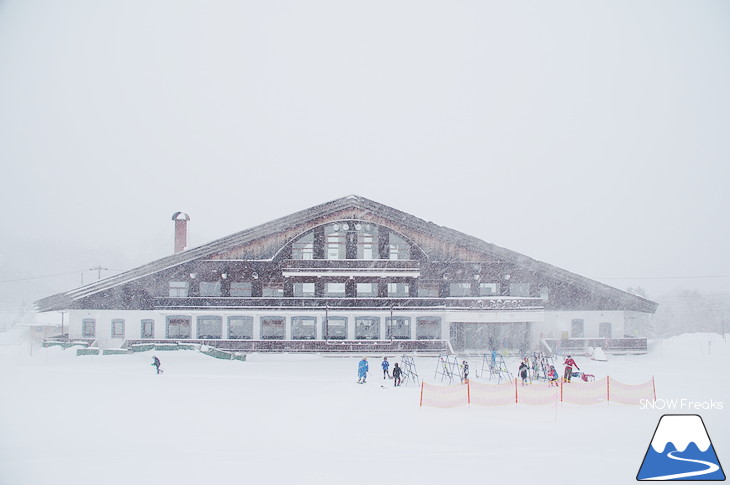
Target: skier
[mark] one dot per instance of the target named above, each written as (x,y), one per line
(362,370)
(385,366)
(156,363)
(396,375)
(523,371)
(553,375)
(569,364)
(464,372)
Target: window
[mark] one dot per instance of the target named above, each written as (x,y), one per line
(334,290)
(179,327)
(303,328)
(488,289)
(148,329)
(335,328)
(365,290)
(604,330)
(459,289)
(273,290)
(240,289)
(367,328)
(303,248)
(240,327)
(88,328)
(273,328)
(117,328)
(428,290)
(304,289)
(334,235)
(399,327)
(210,288)
(519,289)
(178,289)
(398,290)
(576,328)
(398,247)
(367,241)
(210,327)
(428,328)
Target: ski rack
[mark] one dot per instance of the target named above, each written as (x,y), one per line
(408,368)
(495,366)
(539,365)
(448,367)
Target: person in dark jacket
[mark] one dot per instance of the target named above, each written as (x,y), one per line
(464,372)
(396,375)
(362,370)
(385,366)
(522,371)
(569,364)
(156,363)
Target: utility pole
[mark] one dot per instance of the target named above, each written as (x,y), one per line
(98,271)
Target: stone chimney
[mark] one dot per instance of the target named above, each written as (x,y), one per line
(181,231)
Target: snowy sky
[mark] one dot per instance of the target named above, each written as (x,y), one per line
(590,135)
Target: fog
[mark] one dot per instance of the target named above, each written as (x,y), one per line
(592,136)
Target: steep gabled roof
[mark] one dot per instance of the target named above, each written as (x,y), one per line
(352,206)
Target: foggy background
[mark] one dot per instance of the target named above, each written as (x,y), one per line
(589,135)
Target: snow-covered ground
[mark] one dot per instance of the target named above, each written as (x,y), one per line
(304,419)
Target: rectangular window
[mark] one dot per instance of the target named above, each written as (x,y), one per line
(367,290)
(334,236)
(428,290)
(240,327)
(148,329)
(367,328)
(488,289)
(240,289)
(367,241)
(576,328)
(335,328)
(334,290)
(460,289)
(273,328)
(210,327)
(273,290)
(398,248)
(303,248)
(428,328)
(519,289)
(398,290)
(304,289)
(117,328)
(604,330)
(210,288)
(179,327)
(88,328)
(303,328)
(398,327)
(179,289)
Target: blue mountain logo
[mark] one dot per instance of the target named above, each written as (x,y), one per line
(681,450)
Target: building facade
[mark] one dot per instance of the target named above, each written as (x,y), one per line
(347,272)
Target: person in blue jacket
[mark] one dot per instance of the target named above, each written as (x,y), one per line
(362,370)
(385,366)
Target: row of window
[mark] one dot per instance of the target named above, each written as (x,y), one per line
(352,240)
(577,327)
(181,289)
(272,327)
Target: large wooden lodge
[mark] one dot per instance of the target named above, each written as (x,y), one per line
(349,275)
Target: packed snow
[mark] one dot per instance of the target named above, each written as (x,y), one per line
(285,418)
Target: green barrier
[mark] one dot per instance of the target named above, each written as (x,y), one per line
(115,352)
(87,351)
(165,347)
(142,347)
(182,346)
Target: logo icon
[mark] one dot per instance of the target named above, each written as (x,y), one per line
(681,450)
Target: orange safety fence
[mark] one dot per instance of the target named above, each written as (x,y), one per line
(631,393)
(444,396)
(483,394)
(537,393)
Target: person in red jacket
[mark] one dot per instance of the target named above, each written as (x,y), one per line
(569,364)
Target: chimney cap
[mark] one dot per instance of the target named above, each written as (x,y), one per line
(180,216)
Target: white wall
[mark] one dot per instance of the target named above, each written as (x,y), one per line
(556,323)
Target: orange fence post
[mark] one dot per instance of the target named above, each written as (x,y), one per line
(420,404)
(608,388)
(561,390)
(653,387)
(468,392)
(516,399)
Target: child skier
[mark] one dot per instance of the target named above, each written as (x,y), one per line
(464,372)
(156,363)
(396,375)
(569,364)
(362,370)
(385,366)
(553,375)
(522,371)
